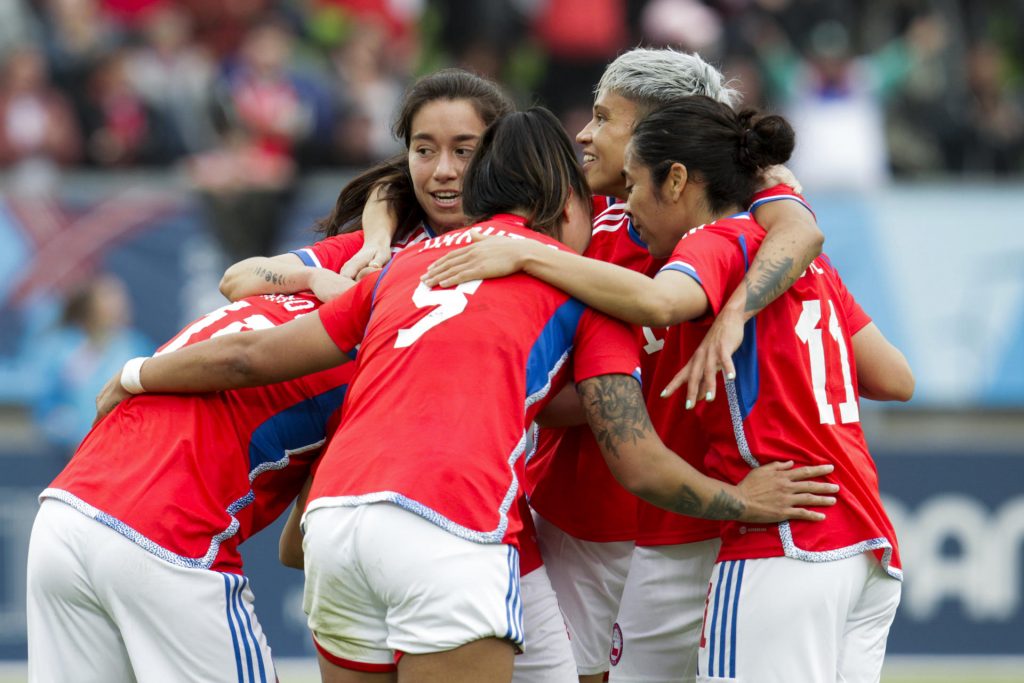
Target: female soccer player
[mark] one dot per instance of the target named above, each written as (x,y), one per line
(787,601)
(410,534)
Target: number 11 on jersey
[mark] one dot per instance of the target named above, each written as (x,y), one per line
(808,332)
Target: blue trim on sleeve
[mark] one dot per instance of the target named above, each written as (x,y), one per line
(684,269)
(790,197)
(305,257)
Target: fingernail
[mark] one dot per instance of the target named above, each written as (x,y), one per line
(664,393)
(689,404)
(730,376)
(710,396)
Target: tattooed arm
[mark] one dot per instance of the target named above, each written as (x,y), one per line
(640,461)
(792,242)
(282,274)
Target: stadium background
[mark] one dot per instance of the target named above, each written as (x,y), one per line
(157,167)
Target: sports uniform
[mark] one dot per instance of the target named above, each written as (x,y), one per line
(134,553)
(549,658)
(469,486)
(657,630)
(586,521)
(808,601)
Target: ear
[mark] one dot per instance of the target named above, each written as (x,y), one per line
(677,178)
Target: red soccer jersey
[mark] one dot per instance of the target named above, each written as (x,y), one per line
(570,485)
(794,398)
(333,252)
(448,382)
(189,477)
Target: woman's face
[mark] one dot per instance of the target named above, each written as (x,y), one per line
(443,136)
(659,221)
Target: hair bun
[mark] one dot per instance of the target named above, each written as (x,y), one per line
(766,141)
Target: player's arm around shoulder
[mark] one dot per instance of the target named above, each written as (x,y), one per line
(615,409)
(232,361)
(883,373)
(281,274)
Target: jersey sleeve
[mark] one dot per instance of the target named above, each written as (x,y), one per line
(604,346)
(331,253)
(778,193)
(856,317)
(345,318)
(715,260)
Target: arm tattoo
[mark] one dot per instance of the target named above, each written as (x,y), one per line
(724,506)
(615,410)
(770,280)
(269,275)
(617,415)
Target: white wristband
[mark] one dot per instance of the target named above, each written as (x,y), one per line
(131,373)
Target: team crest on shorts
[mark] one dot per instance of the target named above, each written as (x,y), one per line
(615,652)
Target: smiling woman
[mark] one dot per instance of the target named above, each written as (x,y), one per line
(444,135)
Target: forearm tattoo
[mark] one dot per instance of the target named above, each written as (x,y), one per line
(615,410)
(767,281)
(618,416)
(270,276)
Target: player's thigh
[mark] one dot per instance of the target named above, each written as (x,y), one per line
(588,579)
(657,631)
(488,660)
(184,624)
(70,636)
(439,591)
(777,620)
(547,656)
(867,627)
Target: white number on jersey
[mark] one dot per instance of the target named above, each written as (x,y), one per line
(449,302)
(253,322)
(653,344)
(807,331)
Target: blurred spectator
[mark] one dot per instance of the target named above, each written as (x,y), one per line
(579,37)
(368,94)
(38,130)
(17,25)
(78,36)
(267,113)
(75,360)
(120,128)
(174,75)
(835,98)
(994,115)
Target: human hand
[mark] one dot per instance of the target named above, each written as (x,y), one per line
(108,398)
(778,175)
(369,259)
(488,257)
(327,284)
(713,354)
(777,491)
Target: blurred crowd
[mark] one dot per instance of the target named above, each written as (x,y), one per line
(244,96)
(252,92)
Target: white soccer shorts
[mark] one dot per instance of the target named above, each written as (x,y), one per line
(588,579)
(382,581)
(548,657)
(779,620)
(101,609)
(655,636)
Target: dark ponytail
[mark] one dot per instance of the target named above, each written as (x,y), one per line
(524,161)
(726,150)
